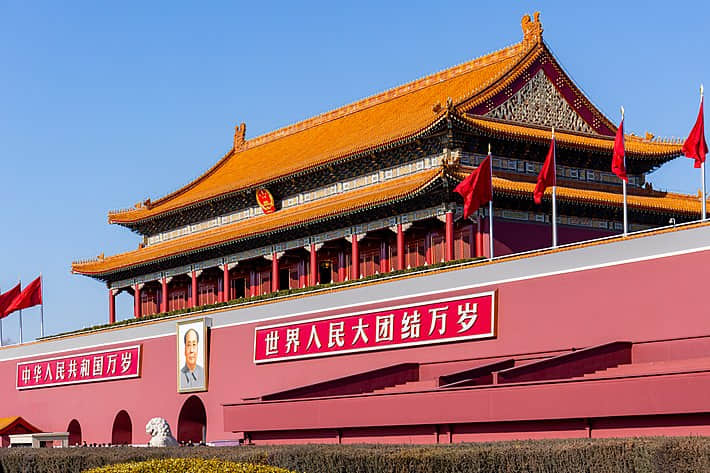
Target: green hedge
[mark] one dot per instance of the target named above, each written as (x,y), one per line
(652,455)
(191,465)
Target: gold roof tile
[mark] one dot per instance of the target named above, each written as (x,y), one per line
(634,145)
(369,196)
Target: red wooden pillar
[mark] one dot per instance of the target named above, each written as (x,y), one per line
(479,238)
(111,306)
(302,276)
(400,247)
(226,284)
(341,266)
(355,260)
(428,250)
(137,301)
(471,240)
(164,300)
(193,301)
(449,253)
(274,272)
(252,283)
(384,260)
(313,270)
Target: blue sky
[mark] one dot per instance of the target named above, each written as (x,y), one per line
(103,104)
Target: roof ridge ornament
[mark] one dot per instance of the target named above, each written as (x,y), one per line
(532,29)
(240,132)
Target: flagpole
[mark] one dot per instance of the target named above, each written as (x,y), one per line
(490,207)
(554,191)
(41,306)
(702,169)
(20,283)
(623,183)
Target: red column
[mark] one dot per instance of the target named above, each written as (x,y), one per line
(472,241)
(137,301)
(226,285)
(302,276)
(111,306)
(313,272)
(355,260)
(274,272)
(449,253)
(384,262)
(479,238)
(400,247)
(164,300)
(427,249)
(341,266)
(252,283)
(194,302)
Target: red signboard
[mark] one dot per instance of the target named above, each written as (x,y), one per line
(82,368)
(437,321)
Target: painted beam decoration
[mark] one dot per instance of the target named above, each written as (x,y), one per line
(446,320)
(108,365)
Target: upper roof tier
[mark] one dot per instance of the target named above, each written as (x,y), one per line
(486,87)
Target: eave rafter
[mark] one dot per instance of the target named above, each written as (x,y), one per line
(269,228)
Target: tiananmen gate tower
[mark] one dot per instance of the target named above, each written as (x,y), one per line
(319,283)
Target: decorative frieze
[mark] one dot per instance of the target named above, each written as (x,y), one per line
(522,166)
(341,187)
(539,103)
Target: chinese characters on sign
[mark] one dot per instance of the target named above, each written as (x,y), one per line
(440,321)
(82,368)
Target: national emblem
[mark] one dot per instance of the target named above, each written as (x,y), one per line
(266,201)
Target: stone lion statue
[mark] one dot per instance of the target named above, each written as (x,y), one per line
(159,430)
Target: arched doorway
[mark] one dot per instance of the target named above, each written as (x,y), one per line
(122,432)
(74,430)
(192,422)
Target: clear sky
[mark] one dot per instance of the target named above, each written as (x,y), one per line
(103,104)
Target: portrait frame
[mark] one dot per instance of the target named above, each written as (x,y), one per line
(196,380)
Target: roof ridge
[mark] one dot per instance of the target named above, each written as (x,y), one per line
(485,60)
(390,94)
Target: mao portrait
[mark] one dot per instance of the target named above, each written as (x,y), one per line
(192,356)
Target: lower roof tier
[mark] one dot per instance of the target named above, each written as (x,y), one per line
(430,186)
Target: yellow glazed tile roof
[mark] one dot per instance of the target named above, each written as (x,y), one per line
(391,116)
(653,201)
(375,121)
(369,196)
(634,145)
(6,422)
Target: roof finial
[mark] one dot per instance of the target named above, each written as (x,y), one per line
(532,29)
(240,132)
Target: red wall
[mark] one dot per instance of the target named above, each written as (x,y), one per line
(649,300)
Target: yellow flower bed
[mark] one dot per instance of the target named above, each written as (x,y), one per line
(187,465)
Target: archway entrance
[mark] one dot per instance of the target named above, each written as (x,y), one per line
(192,422)
(122,432)
(74,430)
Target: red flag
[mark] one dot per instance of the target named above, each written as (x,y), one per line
(695,146)
(617,160)
(476,189)
(29,297)
(547,175)
(7,298)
